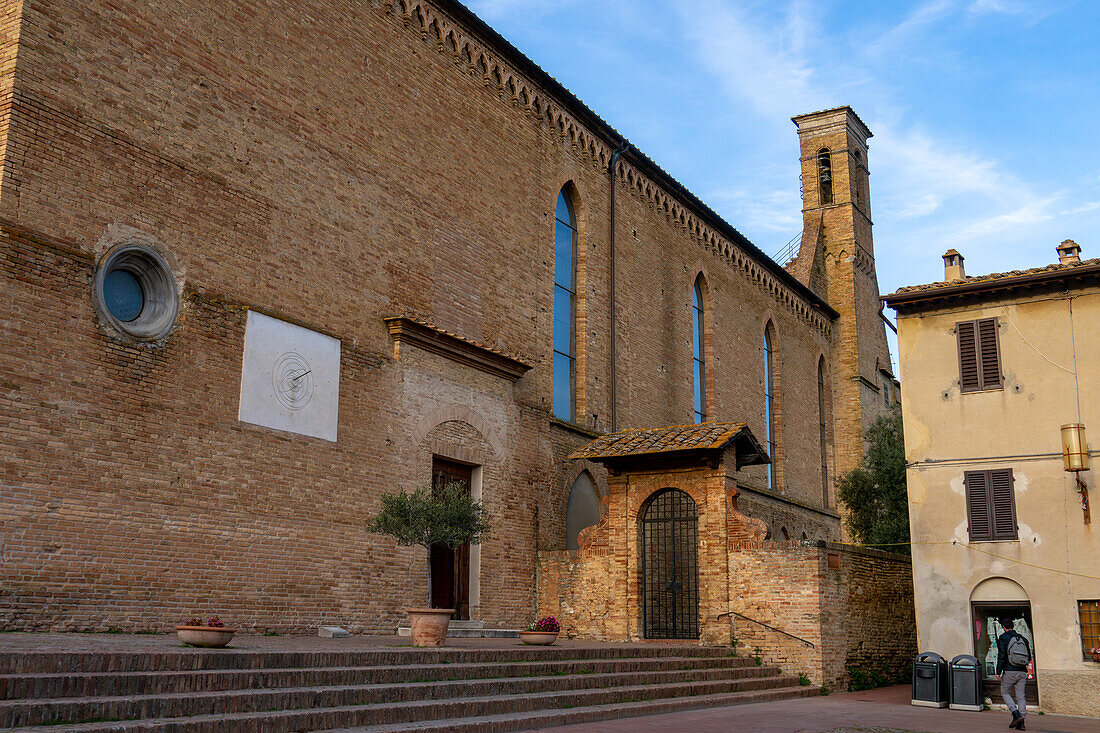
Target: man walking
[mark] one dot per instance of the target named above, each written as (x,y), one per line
(1013,656)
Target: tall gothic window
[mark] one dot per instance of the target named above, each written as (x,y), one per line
(698,350)
(825,176)
(822,434)
(565,303)
(769,403)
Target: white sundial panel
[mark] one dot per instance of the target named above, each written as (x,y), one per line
(290,379)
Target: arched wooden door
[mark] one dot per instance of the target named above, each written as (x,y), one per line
(670,566)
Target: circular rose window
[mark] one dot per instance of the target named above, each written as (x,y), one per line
(135,292)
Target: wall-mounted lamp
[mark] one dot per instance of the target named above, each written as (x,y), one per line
(1075,458)
(1075,449)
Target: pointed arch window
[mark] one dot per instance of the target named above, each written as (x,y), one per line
(565,305)
(769,403)
(698,349)
(823,432)
(825,176)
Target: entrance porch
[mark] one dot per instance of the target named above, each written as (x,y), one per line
(674,556)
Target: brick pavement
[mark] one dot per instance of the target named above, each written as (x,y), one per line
(886,710)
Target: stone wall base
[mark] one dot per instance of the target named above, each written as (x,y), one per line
(1069,691)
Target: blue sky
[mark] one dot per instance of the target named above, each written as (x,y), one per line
(984,112)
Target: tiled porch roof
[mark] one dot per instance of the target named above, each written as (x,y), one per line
(708,436)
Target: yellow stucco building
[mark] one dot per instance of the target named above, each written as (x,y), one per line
(993,367)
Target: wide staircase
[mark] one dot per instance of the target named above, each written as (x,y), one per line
(388,689)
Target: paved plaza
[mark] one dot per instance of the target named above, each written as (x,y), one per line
(886,710)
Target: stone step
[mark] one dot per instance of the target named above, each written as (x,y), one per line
(462,623)
(468,633)
(12,663)
(586,714)
(74,710)
(101,684)
(445,712)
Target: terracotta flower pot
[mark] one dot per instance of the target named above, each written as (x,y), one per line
(205,636)
(541,638)
(429,625)
(1096,656)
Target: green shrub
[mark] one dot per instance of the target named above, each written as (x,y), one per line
(447,516)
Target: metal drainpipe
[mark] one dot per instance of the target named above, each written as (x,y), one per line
(623,147)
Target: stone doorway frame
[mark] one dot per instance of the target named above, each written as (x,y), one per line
(475,458)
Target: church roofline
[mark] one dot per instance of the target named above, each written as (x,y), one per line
(640,160)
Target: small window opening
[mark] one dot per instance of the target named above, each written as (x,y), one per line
(825,175)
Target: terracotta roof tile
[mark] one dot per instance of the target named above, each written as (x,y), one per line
(641,441)
(994,277)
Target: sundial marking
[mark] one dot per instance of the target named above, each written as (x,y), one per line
(292,379)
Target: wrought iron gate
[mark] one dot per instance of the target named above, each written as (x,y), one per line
(670,566)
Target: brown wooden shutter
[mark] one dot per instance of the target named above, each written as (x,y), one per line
(979,355)
(969,375)
(1002,499)
(977,505)
(989,353)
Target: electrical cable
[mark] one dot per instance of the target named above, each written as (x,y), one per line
(971,547)
(1036,349)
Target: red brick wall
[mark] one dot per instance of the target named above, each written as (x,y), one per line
(330,165)
(858,615)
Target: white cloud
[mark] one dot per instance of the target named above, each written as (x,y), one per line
(982,7)
(926,14)
(1029,212)
(776,210)
(926,172)
(761,64)
(1081,208)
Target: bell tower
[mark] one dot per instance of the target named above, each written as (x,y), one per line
(837,261)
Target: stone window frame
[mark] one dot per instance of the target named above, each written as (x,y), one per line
(160,292)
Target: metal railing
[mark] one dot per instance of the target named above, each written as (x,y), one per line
(789,250)
(768,626)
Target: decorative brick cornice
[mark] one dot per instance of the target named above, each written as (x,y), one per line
(476,57)
(407,331)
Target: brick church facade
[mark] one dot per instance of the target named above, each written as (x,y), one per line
(386,178)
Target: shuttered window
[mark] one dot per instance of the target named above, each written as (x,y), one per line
(979,355)
(991,505)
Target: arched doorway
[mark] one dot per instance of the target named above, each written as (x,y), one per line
(670,566)
(991,600)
